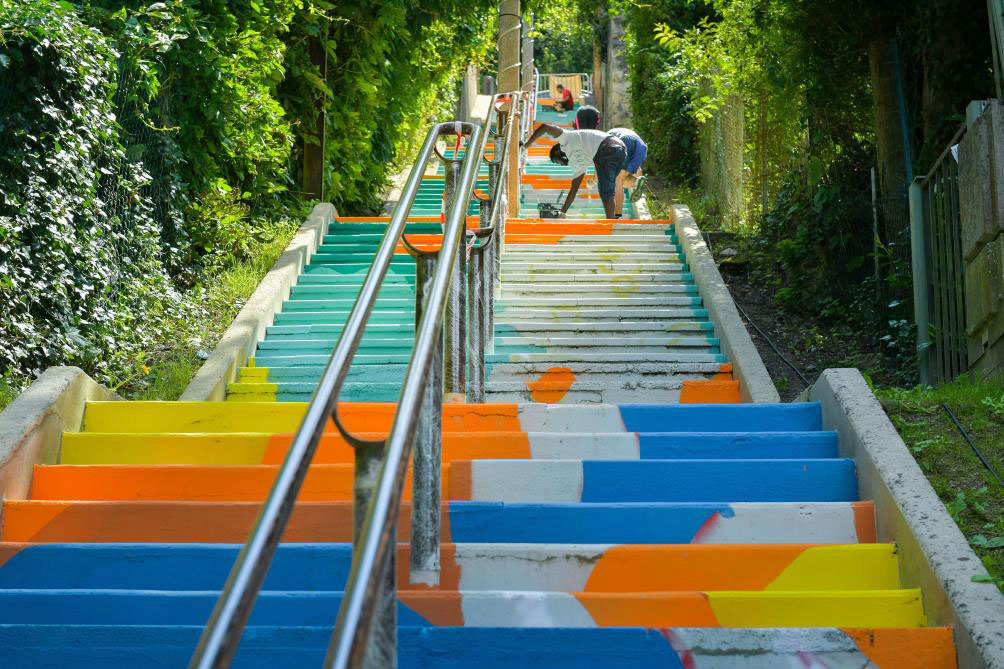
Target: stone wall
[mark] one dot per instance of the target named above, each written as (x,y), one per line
(981,210)
(616,111)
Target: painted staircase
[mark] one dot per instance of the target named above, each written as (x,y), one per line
(594,514)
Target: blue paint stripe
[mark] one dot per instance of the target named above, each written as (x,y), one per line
(793,417)
(170,647)
(144,607)
(697,445)
(719,481)
(170,566)
(580,523)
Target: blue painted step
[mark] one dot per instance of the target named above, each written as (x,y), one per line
(796,416)
(288,647)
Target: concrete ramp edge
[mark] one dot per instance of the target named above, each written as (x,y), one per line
(755,384)
(238,342)
(933,553)
(32,426)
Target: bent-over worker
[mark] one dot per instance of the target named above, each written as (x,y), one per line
(579,148)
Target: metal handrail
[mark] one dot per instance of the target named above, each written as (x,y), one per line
(349,641)
(221,636)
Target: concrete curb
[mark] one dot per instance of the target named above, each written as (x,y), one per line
(933,553)
(32,426)
(755,384)
(240,339)
(641,209)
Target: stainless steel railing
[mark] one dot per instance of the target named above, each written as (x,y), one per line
(365,631)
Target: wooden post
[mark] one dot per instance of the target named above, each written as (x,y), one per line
(313,154)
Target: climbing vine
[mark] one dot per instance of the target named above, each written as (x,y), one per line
(144,147)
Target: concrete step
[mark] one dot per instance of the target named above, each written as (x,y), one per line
(170,646)
(479,567)
(254,448)
(637,328)
(526,481)
(605,290)
(31,521)
(548,278)
(605,357)
(203,417)
(573,302)
(597,314)
(839,608)
(603,268)
(518,254)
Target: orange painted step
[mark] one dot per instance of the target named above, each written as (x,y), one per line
(171,522)
(208,483)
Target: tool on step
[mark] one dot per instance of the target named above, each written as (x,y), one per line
(548,210)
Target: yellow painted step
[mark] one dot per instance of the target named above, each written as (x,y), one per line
(277,417)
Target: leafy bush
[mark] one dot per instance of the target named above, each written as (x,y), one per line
(80,279)
(146,148)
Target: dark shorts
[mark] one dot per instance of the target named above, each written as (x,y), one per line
(609,160)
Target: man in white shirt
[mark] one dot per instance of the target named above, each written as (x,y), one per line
(580,149)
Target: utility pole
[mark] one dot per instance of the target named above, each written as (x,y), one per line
(509,46)
(510,26)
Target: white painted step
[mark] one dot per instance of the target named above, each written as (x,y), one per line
(597,289)
(573,302)
(594,314)
(596,278)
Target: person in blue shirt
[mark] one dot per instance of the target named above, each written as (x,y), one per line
(637,151)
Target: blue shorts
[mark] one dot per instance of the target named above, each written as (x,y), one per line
(637,151)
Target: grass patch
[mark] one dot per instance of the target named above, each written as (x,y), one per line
(168,369)
(972,495)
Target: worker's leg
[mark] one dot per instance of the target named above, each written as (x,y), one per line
(609,160)
(619,190)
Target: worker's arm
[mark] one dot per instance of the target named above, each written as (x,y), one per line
(573,190)
(544,129)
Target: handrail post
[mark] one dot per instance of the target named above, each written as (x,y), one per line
(456,304)
(476,282)
(381,644)
(428,449)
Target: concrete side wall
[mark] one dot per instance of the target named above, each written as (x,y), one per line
(240,339)
(755,384)
(933,553)
(31,427)
(616,102)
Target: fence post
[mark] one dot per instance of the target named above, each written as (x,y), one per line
(476,282)
(918,246)
(381,647)
(456,303)
(428,449)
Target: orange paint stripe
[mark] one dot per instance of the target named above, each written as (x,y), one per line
(710,392)
(333,449)
(552,386)
(930,647)
(167,522)
(676,609)
(213,483)
(669,568)
(864,521)
(518,229)
(9,550)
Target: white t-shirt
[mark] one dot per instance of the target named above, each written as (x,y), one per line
(580,146)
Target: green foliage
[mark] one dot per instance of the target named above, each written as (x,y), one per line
(80,276)
(147,149)
(563,37)
(971,494)
(661,104)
